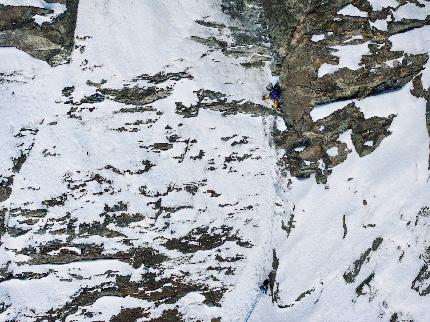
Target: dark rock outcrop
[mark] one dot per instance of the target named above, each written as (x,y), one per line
(52,42)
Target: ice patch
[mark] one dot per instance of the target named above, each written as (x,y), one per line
(280,124)
(368,143)
(394,62)
(316,38)
(345,137)
(412,11)
(349,57)
(351,10)
(106,307)
(416,41)
(321,111)
(378,5)
(192,298)
(380,24)
(333,151)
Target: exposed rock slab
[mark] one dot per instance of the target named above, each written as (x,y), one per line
(52,42)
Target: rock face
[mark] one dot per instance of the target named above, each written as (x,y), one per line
(307,37)
(52,41)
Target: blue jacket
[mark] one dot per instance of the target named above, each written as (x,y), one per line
(275,93)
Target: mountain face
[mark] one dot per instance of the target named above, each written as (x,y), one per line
(144,179)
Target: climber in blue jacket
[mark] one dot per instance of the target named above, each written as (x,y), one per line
(274,94)
(265,287)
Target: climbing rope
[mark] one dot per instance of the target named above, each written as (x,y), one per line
(254,305)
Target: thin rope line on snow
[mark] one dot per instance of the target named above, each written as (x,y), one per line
(253,305)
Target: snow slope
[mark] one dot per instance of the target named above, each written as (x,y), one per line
(89,156)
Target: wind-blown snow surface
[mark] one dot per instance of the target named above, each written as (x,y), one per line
(209,171)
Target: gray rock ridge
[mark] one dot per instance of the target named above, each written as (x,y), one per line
(293,23)
(52,42)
